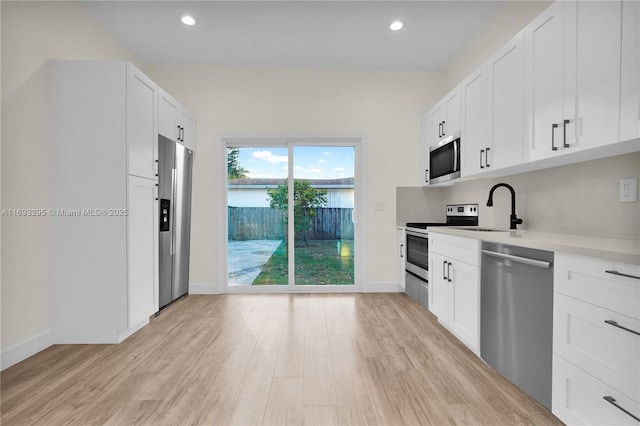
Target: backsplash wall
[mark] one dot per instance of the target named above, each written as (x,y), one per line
(578,198)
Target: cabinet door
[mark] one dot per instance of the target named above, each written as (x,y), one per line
(440,289)
(168,112)
(592,72)
(544,58)
(505,78)
(436,116)
(630,72)
(465,316)
(142,249)
(187,129)
(142,124)
(426,143)
(475,122)
(451,105)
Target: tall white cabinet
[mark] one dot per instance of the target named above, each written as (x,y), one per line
(103,208)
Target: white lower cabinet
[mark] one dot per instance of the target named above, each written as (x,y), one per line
(454,290)
(579,398)
(596,341)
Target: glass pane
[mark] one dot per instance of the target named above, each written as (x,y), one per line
(323,209)
(257,205)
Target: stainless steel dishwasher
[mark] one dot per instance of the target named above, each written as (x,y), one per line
(516,316)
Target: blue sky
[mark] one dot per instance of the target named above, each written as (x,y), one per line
(309,162)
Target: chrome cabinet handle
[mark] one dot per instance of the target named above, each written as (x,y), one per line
(612,272)
(426,175)
(486,158)
(611,400)
(401,250)
(448,272)
(481,152)
(443,131)
(615,324)
(553,135)
(564,134)
(444,273)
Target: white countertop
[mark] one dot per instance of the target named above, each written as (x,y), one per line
(616,249)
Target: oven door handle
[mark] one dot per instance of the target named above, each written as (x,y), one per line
(417,234)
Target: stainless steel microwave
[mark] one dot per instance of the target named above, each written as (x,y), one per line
(444,159)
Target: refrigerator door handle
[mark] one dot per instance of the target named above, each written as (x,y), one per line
(173,212)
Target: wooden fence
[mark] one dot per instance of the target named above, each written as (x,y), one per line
(264,223)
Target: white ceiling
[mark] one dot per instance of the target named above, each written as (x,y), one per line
(317,34)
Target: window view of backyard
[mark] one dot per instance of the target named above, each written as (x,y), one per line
(257,203)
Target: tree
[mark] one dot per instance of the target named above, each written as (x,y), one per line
(305,200)
(234,169)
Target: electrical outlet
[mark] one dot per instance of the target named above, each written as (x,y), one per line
(629,190)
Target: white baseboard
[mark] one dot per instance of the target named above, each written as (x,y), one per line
(203,288)
(26,348)
(382,287)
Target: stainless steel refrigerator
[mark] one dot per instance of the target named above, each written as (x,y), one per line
(175,163)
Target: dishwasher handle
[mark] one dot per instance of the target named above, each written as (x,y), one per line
(519,259)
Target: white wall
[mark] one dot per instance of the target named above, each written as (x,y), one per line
(383,107)
(33,32)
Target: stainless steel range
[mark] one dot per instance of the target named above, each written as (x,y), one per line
(417,241)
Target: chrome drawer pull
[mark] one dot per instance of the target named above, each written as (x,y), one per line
(611,400)
(612,272)
(615,324)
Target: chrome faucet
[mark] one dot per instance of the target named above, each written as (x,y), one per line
(514,219)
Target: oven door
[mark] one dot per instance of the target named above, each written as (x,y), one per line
(444,160)
(417,254)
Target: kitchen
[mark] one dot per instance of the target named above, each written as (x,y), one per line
(385,106)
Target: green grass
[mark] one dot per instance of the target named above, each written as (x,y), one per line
(323,262)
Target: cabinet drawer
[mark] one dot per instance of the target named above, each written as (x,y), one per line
(605,351)
(578,398)
(586,279)
(459,248)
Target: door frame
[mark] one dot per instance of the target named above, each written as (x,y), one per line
(359,203)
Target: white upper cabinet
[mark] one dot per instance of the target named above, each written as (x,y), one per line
(444,117)
(572,80)
(505,80)
(630,72)
(142,124)
(176,123)
(475,106)
(168,112)
(493,111)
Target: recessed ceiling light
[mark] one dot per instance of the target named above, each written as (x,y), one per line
(395,25)
(188,20)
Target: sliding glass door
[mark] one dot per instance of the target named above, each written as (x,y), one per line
(301,244)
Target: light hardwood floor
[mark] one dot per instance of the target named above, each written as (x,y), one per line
(359,359)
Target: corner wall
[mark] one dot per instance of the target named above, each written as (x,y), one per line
(33,32)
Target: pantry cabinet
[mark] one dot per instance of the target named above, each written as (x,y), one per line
(176,123)
(572,80)
(454,286)
(103,201)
